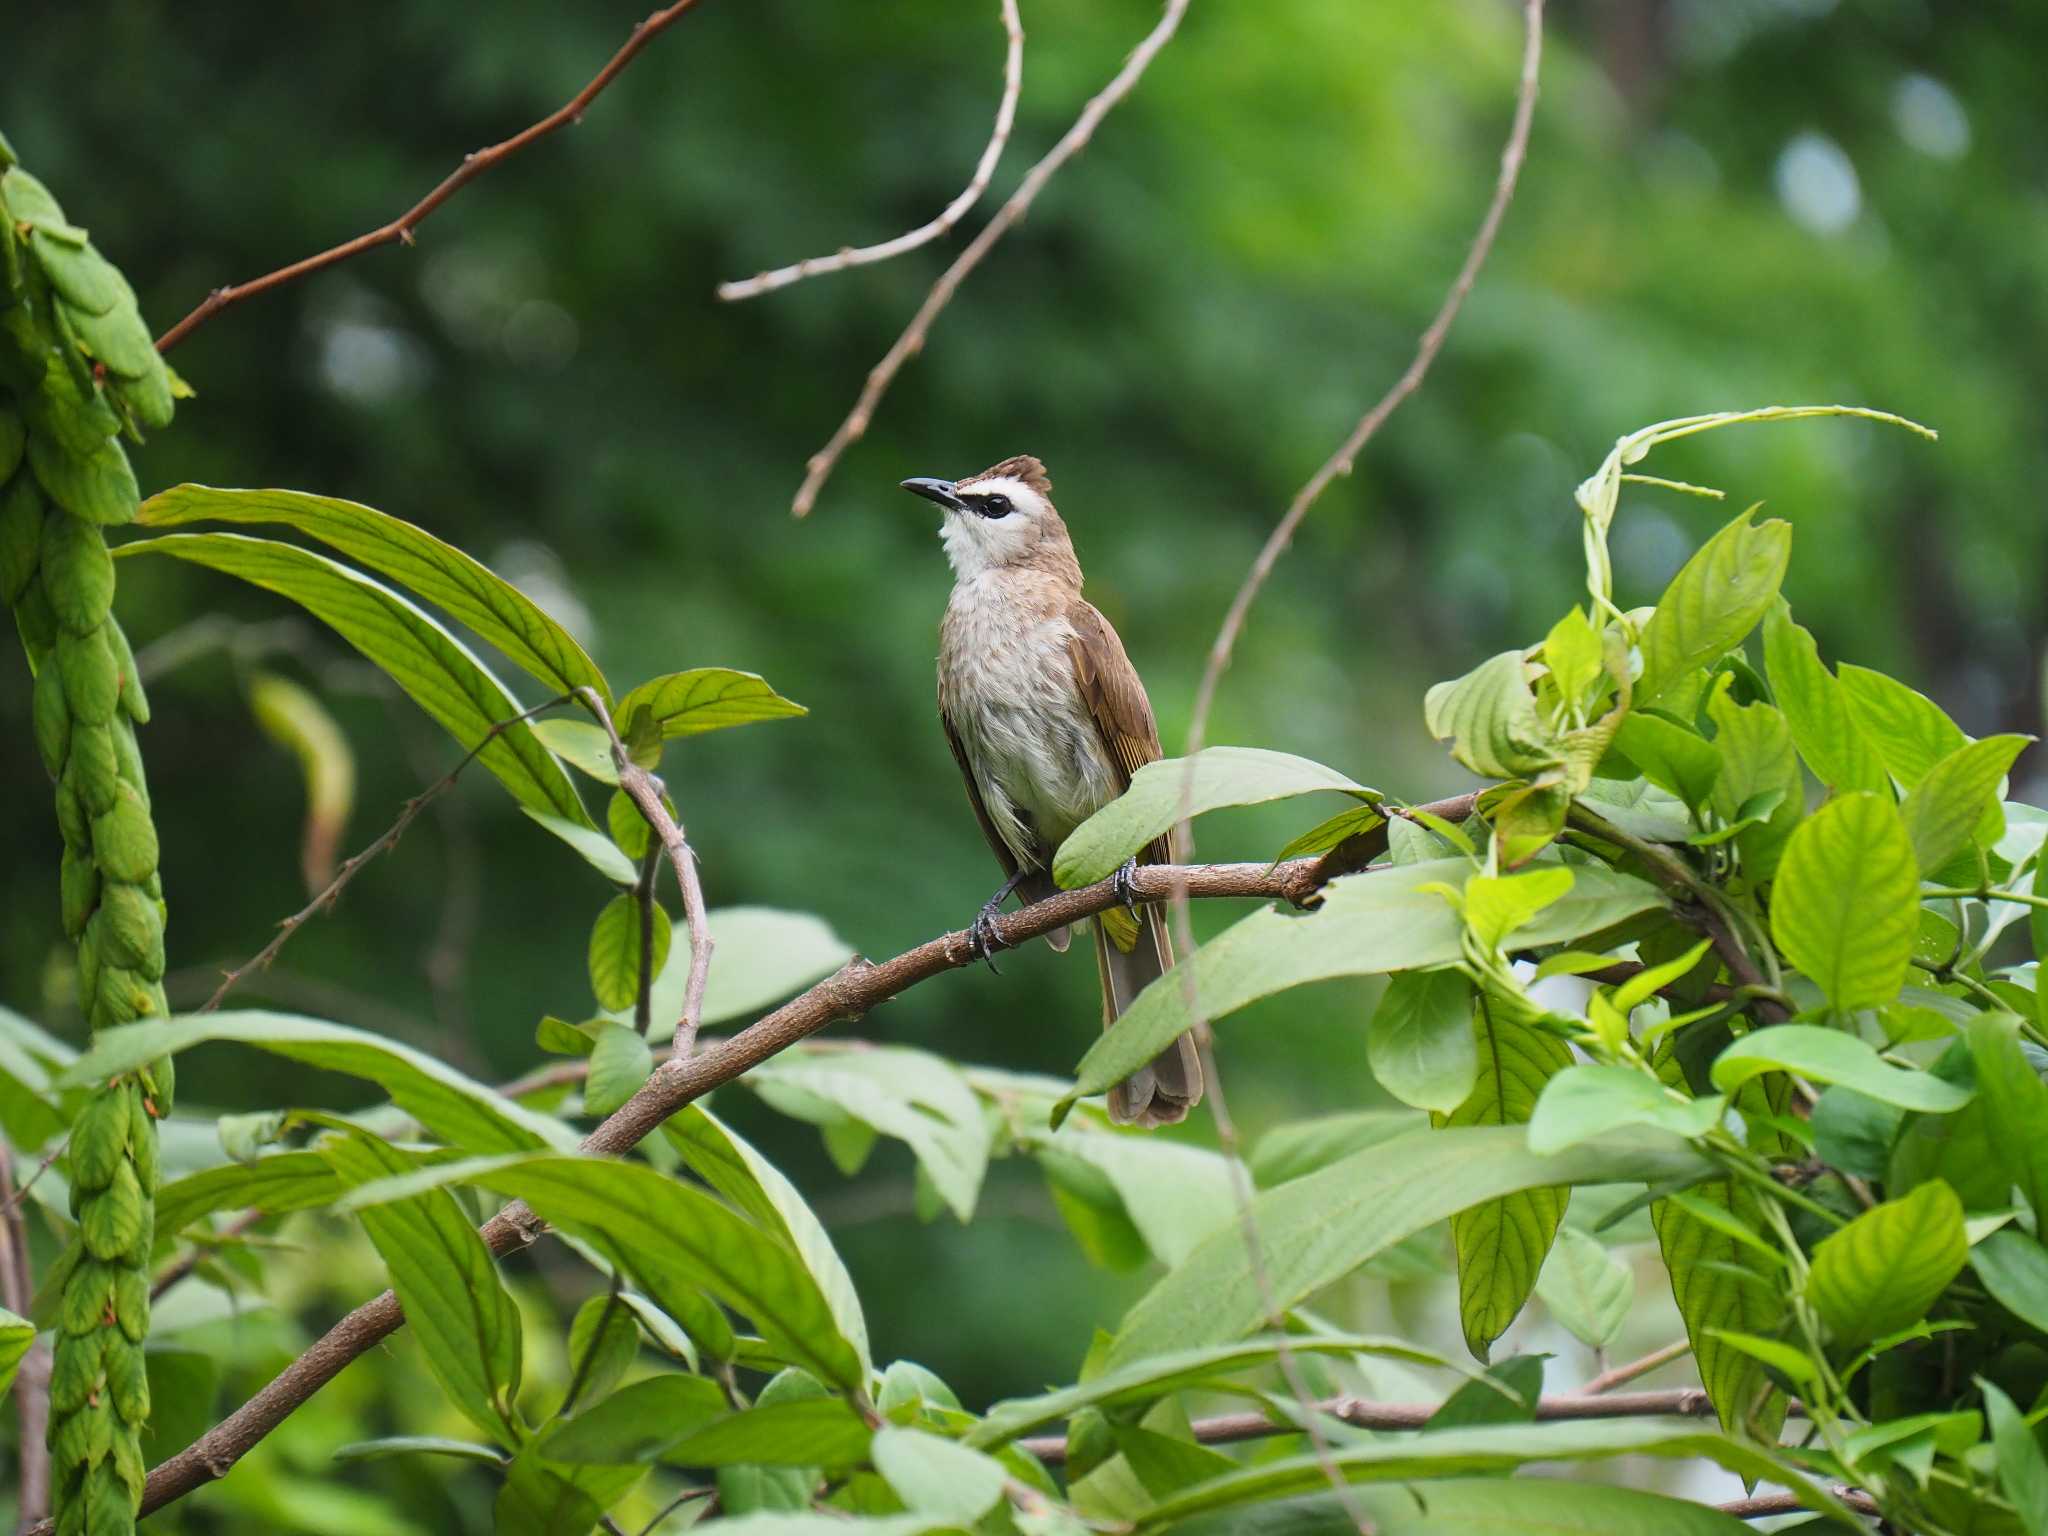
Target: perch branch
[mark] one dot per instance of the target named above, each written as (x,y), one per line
(1766,1504)
(473,165)
(819,468)
(847,256)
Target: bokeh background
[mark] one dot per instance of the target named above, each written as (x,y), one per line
(1727,203)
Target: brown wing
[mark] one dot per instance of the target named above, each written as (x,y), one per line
(988,828)
(1114,697)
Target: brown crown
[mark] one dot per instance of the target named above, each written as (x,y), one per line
(1023,467)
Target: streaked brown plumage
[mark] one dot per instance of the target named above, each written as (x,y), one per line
(1048,720)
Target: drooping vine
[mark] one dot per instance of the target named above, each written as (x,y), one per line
(77,373)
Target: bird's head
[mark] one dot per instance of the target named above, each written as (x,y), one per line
(999,519)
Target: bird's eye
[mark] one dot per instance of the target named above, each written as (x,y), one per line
(995,506)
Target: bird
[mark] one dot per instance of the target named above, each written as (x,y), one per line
(1048,720)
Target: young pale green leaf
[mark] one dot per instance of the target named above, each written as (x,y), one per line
(2015,1104)
(420,1445)
(1781,1357)
(1758,767)
(1148,1379)
(619,1063)
(1317,1229)
(1325,835)
(763,955)
(1588,1100)
(436,571)
(1714,601)
(1490,718)
(2014,1269)
(2022,1468)
(1173,1195)
(1671,756)
(436,670)
(638,1422)
(1496,906)
(1959,796)
(464,1113)
(1907,729)
(1639,988)
(1886,1267)
(1721,1282)
(1831,1056)
(277,1184)
(1573,653)
(809,1431)
(454,1300)
(938,1477)
(1500,1243)
(16,1335)
(1846,907)
(1216,777)
(582,745)
(615,957)
(704,699)
(1420,1043)
(1817,707)
(1586,1288)
(1494,1448)
(598,851)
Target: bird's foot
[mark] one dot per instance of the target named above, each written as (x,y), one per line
(1123,884)
(984,938)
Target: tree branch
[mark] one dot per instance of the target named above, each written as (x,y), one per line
(847,256)
(851,991)
(473,165)
(819,468)
(1766,1504)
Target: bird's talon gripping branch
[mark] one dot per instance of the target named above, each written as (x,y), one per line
(1123,882)
(985,938)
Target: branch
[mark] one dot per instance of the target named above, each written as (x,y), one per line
(853,990)
(1765,1504)
(819,468)
(1607,1381)
(473,165)
(846,256)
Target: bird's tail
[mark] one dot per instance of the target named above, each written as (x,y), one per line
(1163,1092)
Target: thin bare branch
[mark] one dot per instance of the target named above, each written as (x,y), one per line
(819,468)
(847,256)
(384,842)
(1621,1375)
(1764,1505)
(473,165)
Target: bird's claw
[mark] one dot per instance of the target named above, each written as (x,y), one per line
(1122,884)
(984,938)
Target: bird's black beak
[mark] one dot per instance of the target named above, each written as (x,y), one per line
(940,491)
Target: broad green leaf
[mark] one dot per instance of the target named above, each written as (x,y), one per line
(760,955)
(1885,1269)
(1573,653)
(437,571)
(1956,797)
(1174,1195)
(461,1111)
(798,1432)
(2014,1269)
(1670,756)
(420,1445)
(1496,906)
(1720,1283)
(1505,1393)
(615,958)
(1781,1357)
(604,1340)
(1714,601)
(1494,1448)
(1164,1464)
(1216,777)
(447,1281)
(1179,1370)
(1817,707)
(2015,1104)
(1477,1506)
(2022,1469)
(436,670)
(547,1498)
(280,1182)
(638,1422)
(812,1523)
(1325,835)
(1590,1099)
(704,699)
(1586,1288)
(619,1063)
(938,1477)
(582,745)
(16,1335)
(1501,1243)
(1846,907)
(1317,1229)
(1419,1043)
(1908,729)
(722,1158)
(1854,1133)
(1831,1056)
(1757,763)
(598,851)
(1370,924)
(1490,718)
(1296,1147)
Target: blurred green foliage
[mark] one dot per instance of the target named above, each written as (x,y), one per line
(1727,202)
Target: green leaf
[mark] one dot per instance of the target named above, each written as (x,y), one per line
(16,1335)
(1846,907)
(1817,707)
(938,1477)
(1325,835)
(1759,767)
(619,1063)
(437,571)
(615,951)
(1854,1133)
(1885,1269)
(598,851)
(1490,718)
(1586,1288)
(2014,1269)
(464,1113)
(604,1340)
(1505,1393)
(799,1432)
(2015,1104)
(1174,1195)
(1317,1229)
(1179,1370)
(1908,729)
(1720,1282)
(1420,1044)
(420,1445)
(1501,1242)
(447,1281)
(1479,1506)
(1713,602)
(1956,796)
(1588,1100)
(436,670)
(638,1422)
(1493,1449)
(1369,924)
(1572,651)
(582,745)
(1496,906)
(761,956)
(1217,777)
(704,699)
(1830,1056)
(543,1498)
(1670,756)
(275,1184)
(1788,1362)
(1296,1147)
(2022,1469)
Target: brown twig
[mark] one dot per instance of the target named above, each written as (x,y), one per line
(1764,1505)
(851,991)
(473,165)
(32,1376)
(847,256)
(820,465)
(384,842)
(1621,1375)
(645,791)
